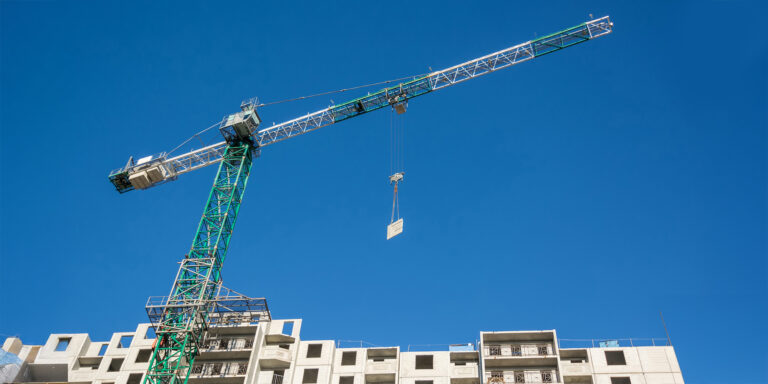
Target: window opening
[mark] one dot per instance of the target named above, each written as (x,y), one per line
(63,344)
(348,358)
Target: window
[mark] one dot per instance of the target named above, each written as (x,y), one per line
(143,356)
(241,367)
(348,358)
(347,380)
(519,377)
(310,376)
(288,328)
(115,365)
(517,350)
(620,380)
(125,341)
(134,378)
(197,369)
(494,350)
(248,344)
(423,381)
(285,346)
(460,363)
(543,350)
(615,358)
(223,344)
(314,350)
(63,344)
(277,377)
(216,369)
(103,349)
(423,361)
(546,376)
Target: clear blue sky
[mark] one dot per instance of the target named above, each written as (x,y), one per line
(584,191)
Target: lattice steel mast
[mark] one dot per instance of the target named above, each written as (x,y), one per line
(182,318)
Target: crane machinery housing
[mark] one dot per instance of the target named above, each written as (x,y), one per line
(181,319)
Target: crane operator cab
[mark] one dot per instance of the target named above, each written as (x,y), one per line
(239,127)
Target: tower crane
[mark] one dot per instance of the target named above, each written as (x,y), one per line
(182,318)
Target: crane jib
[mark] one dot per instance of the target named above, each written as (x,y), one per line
(161,169)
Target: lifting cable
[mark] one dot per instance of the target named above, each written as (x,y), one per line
(396,165)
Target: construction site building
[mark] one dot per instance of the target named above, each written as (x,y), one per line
(272,352)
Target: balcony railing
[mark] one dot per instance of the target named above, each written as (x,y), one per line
(232,344)
(219,369)
(519,377)
(519,350)
(277,379)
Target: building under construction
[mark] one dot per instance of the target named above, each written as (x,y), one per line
(251,348)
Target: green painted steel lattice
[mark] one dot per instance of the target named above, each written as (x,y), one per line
(180,333)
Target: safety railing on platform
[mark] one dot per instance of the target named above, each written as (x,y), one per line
(613,343)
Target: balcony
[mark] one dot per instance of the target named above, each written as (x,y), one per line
(543,376)
(518,355)
(465,374)
(227,348)
(218,372)
(274,357)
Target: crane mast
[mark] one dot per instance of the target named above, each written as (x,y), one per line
(182,318)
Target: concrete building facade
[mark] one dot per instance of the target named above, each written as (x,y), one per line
(272,352)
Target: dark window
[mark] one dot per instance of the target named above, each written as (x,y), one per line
(348,358)
(620,380)
(285,346)
(125,341)
(615,358)
(460,363)
(115,365)
(347,379)
(314,350)
(103,349)
(197,369)
(241,368)
(216,369)
(310,376)
(423,361)
(143,356)
(519,377)
(277,377)
(134,378)
(63,344)
(494,350)
(546,376)
(248,344)
(223,344)
(423,381)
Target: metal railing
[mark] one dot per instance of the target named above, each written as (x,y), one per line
(355,344)
(612,343)
(226,344)
(466,347)
(219,369)
(277,379)
(517,350)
